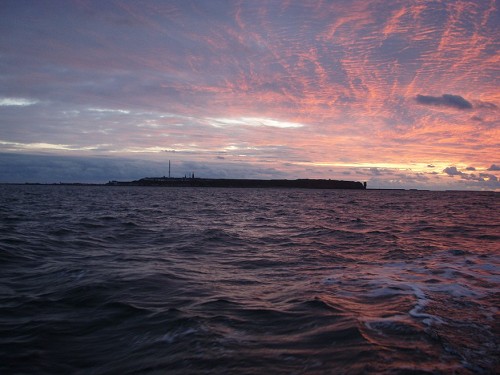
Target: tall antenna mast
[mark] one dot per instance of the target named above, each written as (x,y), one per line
(169,169)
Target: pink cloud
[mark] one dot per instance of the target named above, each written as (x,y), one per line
(371,82)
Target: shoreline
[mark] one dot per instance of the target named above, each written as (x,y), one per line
(234,183)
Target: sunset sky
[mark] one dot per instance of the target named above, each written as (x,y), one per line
(401,94)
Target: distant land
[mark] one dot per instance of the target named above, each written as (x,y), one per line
(241,183)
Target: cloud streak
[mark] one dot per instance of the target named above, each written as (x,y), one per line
(16,102)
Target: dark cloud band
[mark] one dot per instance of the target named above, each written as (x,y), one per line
(446,100)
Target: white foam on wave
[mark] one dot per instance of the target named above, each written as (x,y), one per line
(177,334)
(435,279)
(421,302)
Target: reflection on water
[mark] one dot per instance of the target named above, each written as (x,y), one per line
(128,279)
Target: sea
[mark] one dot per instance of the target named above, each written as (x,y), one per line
(157,280)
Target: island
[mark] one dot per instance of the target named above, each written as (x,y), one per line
(241,183)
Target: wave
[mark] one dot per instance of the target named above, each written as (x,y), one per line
(99,280)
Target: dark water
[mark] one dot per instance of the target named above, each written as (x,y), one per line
(125,280)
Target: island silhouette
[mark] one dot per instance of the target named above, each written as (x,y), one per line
(193,181)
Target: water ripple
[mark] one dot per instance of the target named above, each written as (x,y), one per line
(99,280)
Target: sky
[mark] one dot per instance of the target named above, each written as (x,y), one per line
(399,93)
